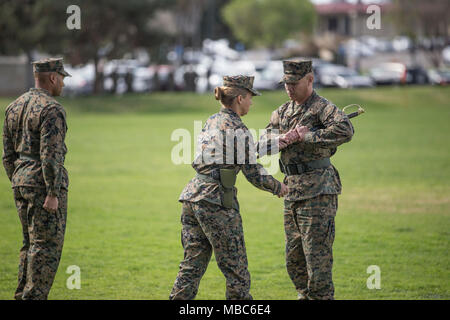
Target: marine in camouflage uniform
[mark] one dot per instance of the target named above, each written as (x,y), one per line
(311,203)
(33,157)
(207,224)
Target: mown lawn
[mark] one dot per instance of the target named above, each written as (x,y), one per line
(123,228)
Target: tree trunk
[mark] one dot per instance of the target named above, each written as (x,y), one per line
(98,80)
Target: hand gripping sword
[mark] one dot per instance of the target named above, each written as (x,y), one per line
(360,110)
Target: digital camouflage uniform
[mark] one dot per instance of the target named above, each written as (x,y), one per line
(311,203)
(208,226)
(33,157)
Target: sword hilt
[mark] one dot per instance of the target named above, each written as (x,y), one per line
(351,115)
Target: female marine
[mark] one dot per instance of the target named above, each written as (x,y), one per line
(210,218)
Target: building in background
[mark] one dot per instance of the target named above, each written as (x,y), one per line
(346,19)
(14,75)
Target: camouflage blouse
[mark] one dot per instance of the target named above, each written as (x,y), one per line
(337,129)
(226,143)
(33,142)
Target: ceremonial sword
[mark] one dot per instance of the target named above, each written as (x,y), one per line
(351,115)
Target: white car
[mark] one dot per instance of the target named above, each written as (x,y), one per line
(389,73)
(333,75)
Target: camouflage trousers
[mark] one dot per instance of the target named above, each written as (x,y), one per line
(43,237)
(211,228)
(309,228)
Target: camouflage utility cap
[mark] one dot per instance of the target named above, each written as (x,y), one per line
(50,65)
(295,70)
(243,82)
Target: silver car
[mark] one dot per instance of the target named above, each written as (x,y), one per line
(333,75)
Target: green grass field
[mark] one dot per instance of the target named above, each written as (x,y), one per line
(123,227)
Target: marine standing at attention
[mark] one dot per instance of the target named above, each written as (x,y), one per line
(314,184)
(33,156)
(210,217)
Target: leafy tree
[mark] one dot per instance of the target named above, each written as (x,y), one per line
(269,22)
(23,25)
(108,27)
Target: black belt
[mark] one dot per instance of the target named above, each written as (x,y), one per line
(299,168)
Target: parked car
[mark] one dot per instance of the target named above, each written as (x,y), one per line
(142,79)
(317,65)
(333,75)
(401,43)
(416,75)
(440,77)
(389,73)
(81,81)
(446,55)
(223,67)
(268,78)
(122,71)
(357,48)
